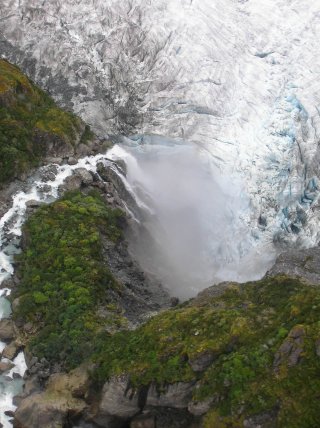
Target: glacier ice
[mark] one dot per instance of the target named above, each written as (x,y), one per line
(238,79)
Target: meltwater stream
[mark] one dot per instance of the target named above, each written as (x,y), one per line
(193,227)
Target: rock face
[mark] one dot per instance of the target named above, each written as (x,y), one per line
(291,349)
(53,407)
(118,399)
(175,396)
(304,263)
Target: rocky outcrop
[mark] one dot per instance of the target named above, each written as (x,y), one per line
(291,350)
(175,396)
(60,402)
(301,263)
(119,399)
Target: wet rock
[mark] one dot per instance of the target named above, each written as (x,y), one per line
(9,413)
(202,361)
(73,182)
(34,204)
(16,375)
(121,165)
(5,366)
(7,331)
(102,170)
(177,395)
(118,399)
(72,161)
(11,351)
(85,176)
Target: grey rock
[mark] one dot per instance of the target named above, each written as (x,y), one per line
(72,161)
(34,204)
(302,263)
(73,182)
(85,175)
(118,399)
(55,160)
(177,395)
(202,361)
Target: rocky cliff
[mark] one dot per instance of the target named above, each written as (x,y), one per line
(103,347)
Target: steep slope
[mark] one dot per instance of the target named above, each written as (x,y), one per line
(238,78)
(32,127)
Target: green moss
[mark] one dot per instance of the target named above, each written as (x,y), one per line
(64,280)
(243,329)
(29,120)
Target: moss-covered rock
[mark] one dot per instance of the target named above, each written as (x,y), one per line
(31,125)
(64,280)
(261,338)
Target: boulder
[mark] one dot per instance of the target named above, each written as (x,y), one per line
(5,366)
(118,399)
(73,182)
(85,176)
(7,331)
(42,410)
(11,351)
(72,161)
(54,407)
(34,204)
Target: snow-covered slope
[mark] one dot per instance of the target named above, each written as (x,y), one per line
(238,78)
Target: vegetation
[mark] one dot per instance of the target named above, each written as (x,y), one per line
(29,120)
(64,280)
(263,337)
(243,330)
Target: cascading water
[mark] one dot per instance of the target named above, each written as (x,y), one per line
(196,222)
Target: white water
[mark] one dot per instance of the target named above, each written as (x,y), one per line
(197,219)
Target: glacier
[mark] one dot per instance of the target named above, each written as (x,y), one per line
(238,79)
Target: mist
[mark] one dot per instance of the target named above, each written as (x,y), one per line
(193,228)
